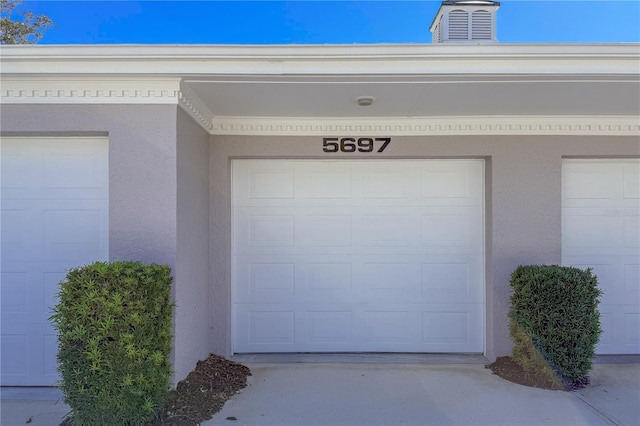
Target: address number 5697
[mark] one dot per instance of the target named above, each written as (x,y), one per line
(354,145)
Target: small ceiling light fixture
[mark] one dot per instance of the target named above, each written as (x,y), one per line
(365,100)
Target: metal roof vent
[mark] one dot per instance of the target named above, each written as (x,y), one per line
(465,22)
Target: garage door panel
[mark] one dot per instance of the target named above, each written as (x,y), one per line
(65,171)
(601,230)
(632,326)
(358,255)
(28,292)
(76,236)
(15,228)
(326,230)
(320,185)
(387,228)
(446,327)
(589,229)
(387,278)
(591,180)
(451,324)
(263,183)
(340,183)
(52,169)
(461,179)
(272,280)
(54,230)
(14,292)
(592,183)
(626,321)
(588,232)
(330,327)
(260,280)
(388,183)
(15,356)
(596,183)
(609,318)
(631,232)
(54,217)
(29,355)
(457,184)
(273,327)
(371,327)
(453,281)
(291,278)
(23,294)
(296,278)
(16,170)
(441,229)
(632,279)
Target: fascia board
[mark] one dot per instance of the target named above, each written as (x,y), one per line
(196,60)
(306,51)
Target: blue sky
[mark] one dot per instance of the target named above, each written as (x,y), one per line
(323,22)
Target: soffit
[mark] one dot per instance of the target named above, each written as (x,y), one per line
(418,98)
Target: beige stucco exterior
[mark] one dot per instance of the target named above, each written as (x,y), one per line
(170,202)
(158,198)
(522,218)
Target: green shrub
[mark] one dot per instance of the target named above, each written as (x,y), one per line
(554,320)
(529,358)
(114,323)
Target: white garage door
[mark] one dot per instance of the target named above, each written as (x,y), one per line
(600,229)
(358,256)
(54,216)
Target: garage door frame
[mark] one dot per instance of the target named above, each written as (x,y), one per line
(482,229)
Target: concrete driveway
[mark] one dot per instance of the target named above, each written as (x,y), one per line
(370,393)
(396,390)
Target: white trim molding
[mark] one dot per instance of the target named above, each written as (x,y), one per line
(193,106)
(78,90)
(424,126)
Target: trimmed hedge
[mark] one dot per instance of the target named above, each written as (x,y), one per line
(554,321)
(114,323)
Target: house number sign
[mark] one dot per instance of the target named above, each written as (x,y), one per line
(355,144)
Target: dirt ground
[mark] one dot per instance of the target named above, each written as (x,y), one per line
(203,392)
(506,368)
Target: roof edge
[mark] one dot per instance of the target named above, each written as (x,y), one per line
(325,51)
(391,59)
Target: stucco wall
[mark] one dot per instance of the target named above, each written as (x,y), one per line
(142,176)
(168,178)
(192,261)
(142,171)
(523,206)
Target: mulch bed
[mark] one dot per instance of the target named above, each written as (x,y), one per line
(203,392)
(506,368)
